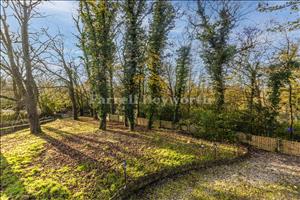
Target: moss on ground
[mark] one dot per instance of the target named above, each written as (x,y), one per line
(74,160)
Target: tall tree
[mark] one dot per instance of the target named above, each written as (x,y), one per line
(83,45)
(162,22)
(98,18)
(134,12)
(182,72)
(26,54)
(281,74)
(217,20)
(250,61)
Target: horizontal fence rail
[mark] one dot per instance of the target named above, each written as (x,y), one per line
(10,129)
(260,142)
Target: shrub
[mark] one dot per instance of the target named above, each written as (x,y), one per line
(10,116)
(213,126)
(52,101)
(166,112)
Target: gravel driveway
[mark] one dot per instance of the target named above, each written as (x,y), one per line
(264,175)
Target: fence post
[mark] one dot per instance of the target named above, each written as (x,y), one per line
(279,145)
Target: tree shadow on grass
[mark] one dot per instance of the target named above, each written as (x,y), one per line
(128,147)
(11,186)
(74,154)
(96,145)
(159,140)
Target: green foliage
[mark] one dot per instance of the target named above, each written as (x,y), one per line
(52,101)
(214,36)
(10,116)
(99,19)
(297,131)
(133,55)
(166,112)
(162,22)
(281,75)
(214,126)
(182,71)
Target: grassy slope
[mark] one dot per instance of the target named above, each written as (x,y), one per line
(74,160)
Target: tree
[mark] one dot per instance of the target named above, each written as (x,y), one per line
(291,62)
(250,61)
(182,72)
(134,12)
(292,6)
(83,45)
(98,18)
(281,74)
(161,24)
(217,21)
(26,54)
(69,70)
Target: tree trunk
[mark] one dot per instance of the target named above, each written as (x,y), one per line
(81,112)
(130,113)
(125,120)
(291,110)
(33,116)
(81,106)
(112,97)
(251,100)
(95,114)
(150,121)
(18,98)
(139,99)
(103,102)
(73,101)
(220,90)
(176,117)
(103,122)
(31,97)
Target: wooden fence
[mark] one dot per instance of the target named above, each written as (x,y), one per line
(260,142)
(11,129)
(271,144)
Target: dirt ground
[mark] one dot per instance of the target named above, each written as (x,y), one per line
(263,175)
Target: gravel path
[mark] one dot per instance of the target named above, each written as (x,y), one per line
(264,175)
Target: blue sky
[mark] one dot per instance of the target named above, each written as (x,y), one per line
(59,17)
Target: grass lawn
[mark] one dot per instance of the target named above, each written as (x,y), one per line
(75,160)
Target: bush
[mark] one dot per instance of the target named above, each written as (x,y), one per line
(10,116)
(297,131)
(52,101)
(213,126)
(166,112)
